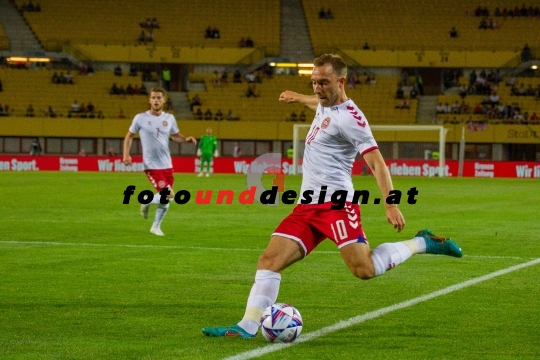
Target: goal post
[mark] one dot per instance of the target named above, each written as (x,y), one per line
(300,132)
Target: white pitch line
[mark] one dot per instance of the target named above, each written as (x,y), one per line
(58,243)
(374,314)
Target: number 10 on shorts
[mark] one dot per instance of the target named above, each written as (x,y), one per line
(341,234)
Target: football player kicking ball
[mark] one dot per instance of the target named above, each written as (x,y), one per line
(338,132)
(154,127)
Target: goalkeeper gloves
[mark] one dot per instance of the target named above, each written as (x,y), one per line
(198,152)
(216,153)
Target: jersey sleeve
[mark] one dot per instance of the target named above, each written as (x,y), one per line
(174,126)
(355,128)
(135,125)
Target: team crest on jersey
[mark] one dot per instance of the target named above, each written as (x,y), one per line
(164,123)
(161,184)
(325,123)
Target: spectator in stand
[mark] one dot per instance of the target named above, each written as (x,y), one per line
(242,42)
(215,34)
(463,91)
(230,115)
(75,107)
(456,108)
(463,108)
(237,76)
(533,119)
(526,53)
(2,110)
(413,94)
(249,42)
(293,116)
(121,114)
(483,24)
(208,33)
(100,115)
(447,108)
(132,70)
(142,37)
(166,77)
(146,74)
(56,79)
(198,114)
(530,91)
(114,89)
(82,111)
(154,24)
(511,81)
(121,90)
(252,91)
(146,24)
(89,70)
(453,32)
(50,112)
(117,70)
(90,107)
(68,78)
(399,93)
(477,109)
(219,115)
(329,14)
(111,152)
(195,101)
(440,108)
(30,111)
(302,116)
(150,36)
(208,114)
(142,90)
(322,14)
(366,46)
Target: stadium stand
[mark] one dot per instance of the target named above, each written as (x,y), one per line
(418,25)
(527,104)
(376,101)
(117,22)
(24,87)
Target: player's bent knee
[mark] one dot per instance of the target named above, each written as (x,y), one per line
(363,273)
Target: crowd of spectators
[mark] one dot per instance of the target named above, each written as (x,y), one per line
(218,116)
(211,33)
(128,90)
(62,78)
(30,7)
(325,14)
(147,32)
(524,11)
(356,79)
(245,42)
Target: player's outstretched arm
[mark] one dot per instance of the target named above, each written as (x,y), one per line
(179,138)
(127,146)
(289,97)
(376,163)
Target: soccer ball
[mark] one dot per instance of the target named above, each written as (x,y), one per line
(281,323)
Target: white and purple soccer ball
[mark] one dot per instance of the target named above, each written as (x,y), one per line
(281,323)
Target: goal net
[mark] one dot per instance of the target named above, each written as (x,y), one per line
(410,142)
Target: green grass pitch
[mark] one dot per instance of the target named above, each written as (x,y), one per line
(81,277)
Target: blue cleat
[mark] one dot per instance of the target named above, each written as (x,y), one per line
(439,245)
(233,330)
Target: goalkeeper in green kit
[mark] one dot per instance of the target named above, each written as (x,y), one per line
(207,150)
